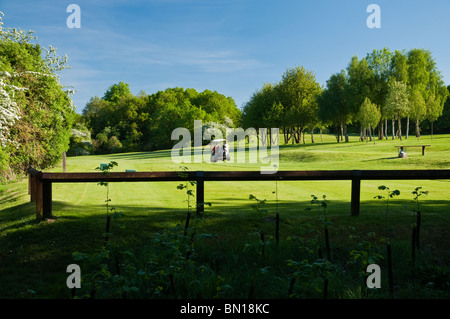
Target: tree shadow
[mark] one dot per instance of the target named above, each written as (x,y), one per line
(381,159)
(82,227)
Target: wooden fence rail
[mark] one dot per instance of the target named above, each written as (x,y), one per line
(40,183)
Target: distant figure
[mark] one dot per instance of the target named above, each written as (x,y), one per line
(225,151)
(214,153)
(402,154)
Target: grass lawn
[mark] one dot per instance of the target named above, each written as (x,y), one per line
(226,252)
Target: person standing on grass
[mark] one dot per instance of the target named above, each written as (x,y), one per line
(225,151)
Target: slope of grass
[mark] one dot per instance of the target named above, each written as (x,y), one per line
(34,257)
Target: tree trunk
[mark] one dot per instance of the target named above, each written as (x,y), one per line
(432,130)
(263,138)
(321,139)
(361,135)
(399,128)
(294,135)
(386,128)
(380,130)
(370,133)
(407,128)
(342,132)
(312,135)
(275,140)
(393,128)
(417,129)
(345,133)
(337,133)
(286,134)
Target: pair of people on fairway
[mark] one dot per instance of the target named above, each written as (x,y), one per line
(221,151)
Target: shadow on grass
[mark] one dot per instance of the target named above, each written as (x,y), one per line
(381,159)
(141,155)
(34,259)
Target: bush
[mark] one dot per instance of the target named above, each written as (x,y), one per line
(80,141)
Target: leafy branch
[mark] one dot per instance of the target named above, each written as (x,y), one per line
(106,169)
(322,204)
(390,194)
(417,193)
(185,185)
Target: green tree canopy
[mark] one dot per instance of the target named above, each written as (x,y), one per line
(333,103)
(145,122)
(369,114)
(397,102)
(418,109)
(43,107)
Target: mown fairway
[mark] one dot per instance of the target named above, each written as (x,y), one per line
(34,257)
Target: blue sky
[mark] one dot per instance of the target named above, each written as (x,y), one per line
(229,46)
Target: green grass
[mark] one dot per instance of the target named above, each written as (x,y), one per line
(34,257)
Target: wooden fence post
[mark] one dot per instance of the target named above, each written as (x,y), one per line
(32,172)
(200,193)
(47,199)
(32,187)
(39,196)
(356,191)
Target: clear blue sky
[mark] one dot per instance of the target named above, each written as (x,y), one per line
(230,46)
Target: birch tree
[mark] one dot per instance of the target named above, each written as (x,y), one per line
(418,109)
(369,116)
(397,103)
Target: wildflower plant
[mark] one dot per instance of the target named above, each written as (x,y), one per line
(105,171)
(417,193)
(389,194)
(322,205)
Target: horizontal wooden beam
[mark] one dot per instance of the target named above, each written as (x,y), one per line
(247,175)
(43,181)
(412,145)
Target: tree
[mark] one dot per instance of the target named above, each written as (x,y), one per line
(298,91)
(418,74)
(9,110)
(379,62)
(221,108)
(418,109)
(369,116)
(39,106)
(333,106)
(116,92)
(443,122)
(80,140)
(97,114)
(263,109)
(399,66)
(437,96)
(360,80)
(396,103)
(399,72)
(434,108)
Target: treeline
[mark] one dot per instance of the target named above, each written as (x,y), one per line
(375,95)
(123,122)
(36,111)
